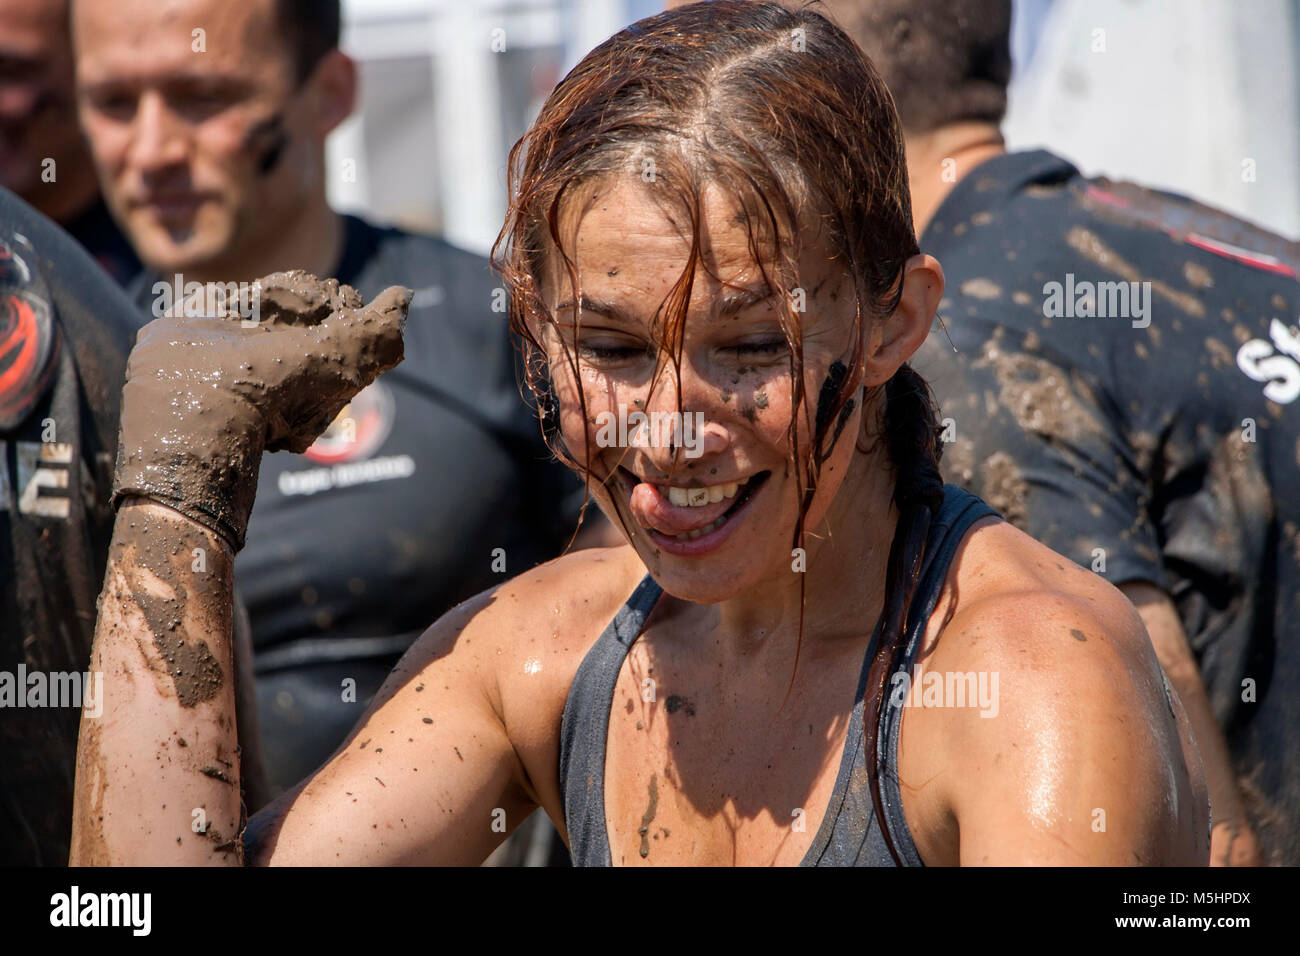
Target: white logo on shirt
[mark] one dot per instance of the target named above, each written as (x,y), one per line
(1258,360)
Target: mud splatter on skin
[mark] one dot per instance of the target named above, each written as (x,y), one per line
(1077,634)
(831,386)
(166,554)
(675,703)
(648,817)
(760,397)
(216,773)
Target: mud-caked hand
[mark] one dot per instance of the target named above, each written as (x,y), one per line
(206,395)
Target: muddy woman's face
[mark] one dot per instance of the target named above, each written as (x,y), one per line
(708,492)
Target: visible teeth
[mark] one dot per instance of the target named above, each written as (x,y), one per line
(699,497)
(692,535)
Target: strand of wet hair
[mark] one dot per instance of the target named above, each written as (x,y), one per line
(912,438)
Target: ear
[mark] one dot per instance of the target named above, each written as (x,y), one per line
(900,334)
(333,86)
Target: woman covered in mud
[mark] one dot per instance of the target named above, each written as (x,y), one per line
(809,651)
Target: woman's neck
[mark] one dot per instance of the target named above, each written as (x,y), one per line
(847,554)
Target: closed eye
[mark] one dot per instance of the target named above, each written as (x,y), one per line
(773,347)
(611,353)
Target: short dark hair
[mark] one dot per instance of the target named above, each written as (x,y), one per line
(310,29)
(944,62)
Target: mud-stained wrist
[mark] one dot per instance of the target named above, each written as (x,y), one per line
(125,502)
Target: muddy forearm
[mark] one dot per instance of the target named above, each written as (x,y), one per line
(158,777)
(1229,820)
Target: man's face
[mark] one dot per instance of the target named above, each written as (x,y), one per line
(38,116)
(180,100)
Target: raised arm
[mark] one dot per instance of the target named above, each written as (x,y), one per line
(158,775)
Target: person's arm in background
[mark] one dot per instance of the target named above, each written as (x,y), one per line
(1232,840)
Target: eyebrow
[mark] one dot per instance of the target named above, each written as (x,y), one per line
(728,304)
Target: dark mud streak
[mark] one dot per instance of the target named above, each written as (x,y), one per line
(217,774)
(648,817)
(1077,634)
(675,703)
(194,670)
(831,386)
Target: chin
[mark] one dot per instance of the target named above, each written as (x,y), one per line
(750,559)
(171,247)
(163,254)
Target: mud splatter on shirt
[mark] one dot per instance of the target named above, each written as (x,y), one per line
(1161,447)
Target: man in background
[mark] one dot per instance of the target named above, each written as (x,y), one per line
(43,156)
(1120,383)
(208,122)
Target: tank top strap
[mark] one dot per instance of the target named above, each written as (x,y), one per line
(960,510)
(585,726)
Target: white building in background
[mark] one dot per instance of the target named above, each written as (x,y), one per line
(447,87)
(1200,97)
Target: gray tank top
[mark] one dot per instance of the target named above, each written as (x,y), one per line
(849,835)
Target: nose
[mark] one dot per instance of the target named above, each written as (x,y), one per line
(685,439)
(159,138)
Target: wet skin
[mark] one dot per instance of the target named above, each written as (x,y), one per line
(468,723)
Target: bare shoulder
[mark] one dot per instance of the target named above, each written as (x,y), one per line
(529,636)
(1008,595)
(1075,753)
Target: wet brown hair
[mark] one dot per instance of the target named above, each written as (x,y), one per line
(781,109)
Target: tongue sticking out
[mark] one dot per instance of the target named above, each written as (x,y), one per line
(652,510)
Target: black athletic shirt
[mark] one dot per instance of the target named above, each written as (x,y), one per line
(433,485)
(101,237)
(1147,432)
(56,470)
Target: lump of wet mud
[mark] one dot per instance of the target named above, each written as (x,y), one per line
(299,298)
